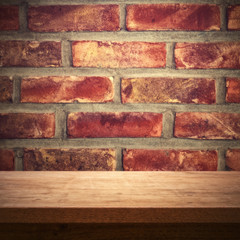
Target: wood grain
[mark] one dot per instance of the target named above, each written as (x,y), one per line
(119,197)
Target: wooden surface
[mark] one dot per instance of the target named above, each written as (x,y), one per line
(119,197)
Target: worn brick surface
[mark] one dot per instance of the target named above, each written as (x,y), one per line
(6,160)
(169,160)
(118,54)
(66,89)
(69,159)
(207,125)
(207,55)
(27,125)
(233,90)
(82,125)
(233,159)
(9,18)
(30,54)
(74,18)
(234,17)
(6,89)
(167,90)
(173,17)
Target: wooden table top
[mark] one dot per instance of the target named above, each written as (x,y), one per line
(110,197)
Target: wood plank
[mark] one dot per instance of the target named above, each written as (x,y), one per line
(129,231)
(119,197)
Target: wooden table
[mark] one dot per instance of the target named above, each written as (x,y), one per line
(137,198)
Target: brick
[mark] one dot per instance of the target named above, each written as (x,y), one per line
(9,18)
(118,54)
(69,159)
(169,160)
(6,160)
(90,125)
(207,55)
(198,17)
(30,54)
(233,90)
(27,125)
(6,89)
(73,18)
(207,125)
(166,90)
(234,17)
(66,89)
(233,159)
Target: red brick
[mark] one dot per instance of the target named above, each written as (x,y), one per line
(207,125)
(73,18)
(169,160)
(234,17)
(9,18)
(233,90)
(90,125)
(66,89)
(6,89)
(6,160)
(30,54)
(27,125)
(166,90)
(69,159)
(207,55)
(233,159)
(118,54)
(198,17)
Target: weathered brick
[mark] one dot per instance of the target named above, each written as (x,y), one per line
(69,159)
(234,17)
(73,18)
(166,90)
(66,89)
(9,18)
(90,125)
(207,55)
(207,125)
(198,17)
(169,160)
(6,160)
(30,54)
(118,54)
(233,90)
(6,89)
(233,159)
(27,125)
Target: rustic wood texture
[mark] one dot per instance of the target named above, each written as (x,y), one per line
(119,197)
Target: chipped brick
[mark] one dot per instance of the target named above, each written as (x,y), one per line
(66,18)
(197,17)
(84,159)
(66,89)
(207,55)
(30,54)
(90,125)
(118,54)
(6,89)
(27,125)
(169,160)
(207,125)
(233,90)
(6,160)
(166,90)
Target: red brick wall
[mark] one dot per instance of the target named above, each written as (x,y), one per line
(120,85)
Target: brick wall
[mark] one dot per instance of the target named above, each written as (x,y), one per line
(120,85)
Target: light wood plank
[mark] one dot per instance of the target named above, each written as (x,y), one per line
(127,197)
